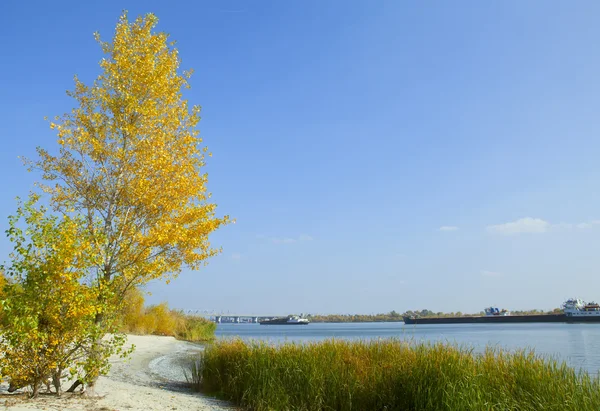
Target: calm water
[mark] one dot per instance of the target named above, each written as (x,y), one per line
(577,344)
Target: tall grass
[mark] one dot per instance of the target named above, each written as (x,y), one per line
(389,375)
(193,328)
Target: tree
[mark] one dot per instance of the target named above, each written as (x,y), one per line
(49,306)
(394,314)
(129,162)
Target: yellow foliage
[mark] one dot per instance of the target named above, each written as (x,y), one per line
(128,180)
(50,307)
(130,161)
(133,312)
(2,282)
(165,323)
(160,320)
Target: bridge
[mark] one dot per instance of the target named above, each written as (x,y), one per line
(227,317)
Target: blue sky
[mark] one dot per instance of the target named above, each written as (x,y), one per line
(377,155)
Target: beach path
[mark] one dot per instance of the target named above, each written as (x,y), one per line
(151,379)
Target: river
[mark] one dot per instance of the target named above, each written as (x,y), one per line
(577,344)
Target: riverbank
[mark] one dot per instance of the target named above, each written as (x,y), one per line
(152,379)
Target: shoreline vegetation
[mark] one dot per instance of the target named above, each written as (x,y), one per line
(393,316)
(388,374)
(139,319)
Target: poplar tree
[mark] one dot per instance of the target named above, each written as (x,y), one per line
(129,163)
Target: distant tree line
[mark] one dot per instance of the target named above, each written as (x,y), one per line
(429,313)
(355,318)
(531,312)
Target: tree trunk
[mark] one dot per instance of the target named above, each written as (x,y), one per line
(95,354)
(35,387)
(56,382)
(74,386)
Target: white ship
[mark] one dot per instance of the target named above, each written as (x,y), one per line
(575,307)
(494,311)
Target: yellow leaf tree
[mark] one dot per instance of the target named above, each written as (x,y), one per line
(130,162)
(50,304)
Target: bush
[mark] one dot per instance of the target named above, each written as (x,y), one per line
(50,305)
(192,328)
(160,320)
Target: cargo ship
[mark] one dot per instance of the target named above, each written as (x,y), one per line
(574,311)
(480,319)
(289,320)
(577,310)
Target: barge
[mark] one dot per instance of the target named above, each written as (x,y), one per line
(480,319)
(574,311)
(289,320)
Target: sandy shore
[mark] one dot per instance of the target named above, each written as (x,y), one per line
(152,379)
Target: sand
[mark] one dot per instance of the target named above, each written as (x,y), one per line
(152,379)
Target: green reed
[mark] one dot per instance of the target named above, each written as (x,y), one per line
(389,375)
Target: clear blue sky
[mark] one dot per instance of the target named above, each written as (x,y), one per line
(377,155)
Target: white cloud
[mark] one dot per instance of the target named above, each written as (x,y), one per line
(236,256)
(486,273)
(522,225)
(448,228)
(305,237)
(537,225)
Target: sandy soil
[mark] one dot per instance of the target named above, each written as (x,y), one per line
(152,379)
